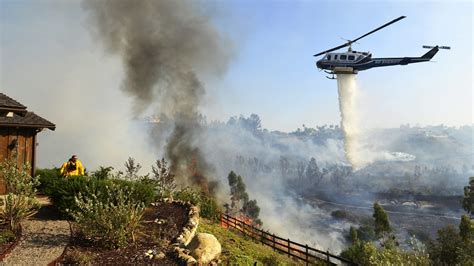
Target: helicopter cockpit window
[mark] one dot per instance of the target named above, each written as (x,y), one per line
(328,57)
(343,57)
(351,57)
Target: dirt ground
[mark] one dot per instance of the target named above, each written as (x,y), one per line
(155,236)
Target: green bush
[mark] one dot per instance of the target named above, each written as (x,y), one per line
(46,177)
(6,236)
(366,233)
(339,214)
(20,202)
(140,190)
(450,248)
(207,205)
(111,216)
(366,253)
(63,191)
(209,208)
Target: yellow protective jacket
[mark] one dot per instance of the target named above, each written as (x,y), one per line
(70,168)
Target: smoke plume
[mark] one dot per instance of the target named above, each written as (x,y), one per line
(347,89)
(164,46)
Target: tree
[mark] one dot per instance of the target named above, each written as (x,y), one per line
(353,235)
(284,166)
(237,190)
(131,169)
(381,223)
(103,172)
(468,201)
(240,199)
(313,174)
(466,229)
(252,210)
(447,246)
(300,167)
(163,178)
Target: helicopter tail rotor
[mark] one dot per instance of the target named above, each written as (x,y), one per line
(440,47)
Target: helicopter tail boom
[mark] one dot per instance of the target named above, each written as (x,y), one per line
(430,53)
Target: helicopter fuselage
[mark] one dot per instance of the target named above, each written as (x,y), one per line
(352,62)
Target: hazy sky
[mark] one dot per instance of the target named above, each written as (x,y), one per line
(49,62)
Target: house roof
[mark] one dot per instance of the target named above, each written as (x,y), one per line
(8,104)
(19,116)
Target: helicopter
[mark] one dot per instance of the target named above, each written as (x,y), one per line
(351,62)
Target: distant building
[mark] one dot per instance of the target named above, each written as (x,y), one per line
(18,129)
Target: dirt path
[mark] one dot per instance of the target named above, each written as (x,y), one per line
(43,240)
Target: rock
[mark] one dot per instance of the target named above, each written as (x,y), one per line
(160,256)
(205,247)
(183,257)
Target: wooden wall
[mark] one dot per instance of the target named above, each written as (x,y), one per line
(25,139)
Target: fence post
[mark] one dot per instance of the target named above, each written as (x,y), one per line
(273,242)
(262,238)
(289,251)
(307,260)
(327,254)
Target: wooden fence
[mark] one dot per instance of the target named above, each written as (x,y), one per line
(302,252)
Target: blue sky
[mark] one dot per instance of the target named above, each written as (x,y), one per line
(273,72)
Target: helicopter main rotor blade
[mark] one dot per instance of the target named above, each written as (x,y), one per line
(349,42)
(379,28)
(332,49)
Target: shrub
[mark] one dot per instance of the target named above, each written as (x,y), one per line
(6,236)
(131,169)
(339,214)
(76,257)
(449,247)
(207,205)
(141,191)
(20,202)
(209,208)
(360,252)
(366,253)
(63,191)
(366,233)
(103,172)
(162,179)
(111,216)
(46,177)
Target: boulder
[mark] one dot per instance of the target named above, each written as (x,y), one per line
(204,247)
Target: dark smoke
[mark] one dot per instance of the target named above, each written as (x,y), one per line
(165,46)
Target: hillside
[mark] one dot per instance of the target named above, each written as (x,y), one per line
(239,250)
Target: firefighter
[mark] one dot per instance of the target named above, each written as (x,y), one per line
(72,167)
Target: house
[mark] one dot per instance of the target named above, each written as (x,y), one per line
(18,129)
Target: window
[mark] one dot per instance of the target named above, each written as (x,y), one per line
(335,57)
(329,57)
(351,57)
(343,57)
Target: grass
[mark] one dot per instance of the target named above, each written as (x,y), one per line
(240,250)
